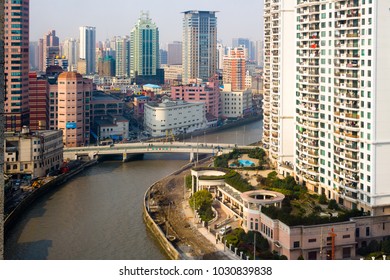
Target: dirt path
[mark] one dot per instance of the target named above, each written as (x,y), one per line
(169,195)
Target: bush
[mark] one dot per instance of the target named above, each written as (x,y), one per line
(201,201)
(332,205)
(322,199)
(238,183)
(188,181)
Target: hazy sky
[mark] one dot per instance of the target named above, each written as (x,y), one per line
(117,17)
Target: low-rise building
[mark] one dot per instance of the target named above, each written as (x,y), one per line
(114,127)
(156,89)
(208,93)
(103,104)
(173,74)
(174,117)
(33,153)
(338,240)
(235,104)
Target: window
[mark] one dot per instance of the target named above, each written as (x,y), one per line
(367,231)
(312,240)
(296,244)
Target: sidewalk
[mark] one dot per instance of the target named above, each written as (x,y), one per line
(189,213)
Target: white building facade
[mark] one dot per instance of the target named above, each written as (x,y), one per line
(235,104)
(35,153)
(342,122)
(87,50)
(279,80)
(174,117)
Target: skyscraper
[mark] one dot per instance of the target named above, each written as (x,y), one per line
(279,80)
(51,48)
(70,51)
(33,55)
(342,102)
(16,64)
(2,129)
(221,52)
(88,48)
(199,45)
(144,48)
(38,102)
(163,56)
(122,57)
(234,70)
(175,53)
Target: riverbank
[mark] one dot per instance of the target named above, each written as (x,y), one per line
(52,185)
(210,130)
(169,218)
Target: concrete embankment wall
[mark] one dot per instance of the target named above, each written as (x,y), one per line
(50,186)
(165,244)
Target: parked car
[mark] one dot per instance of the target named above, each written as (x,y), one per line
(225,230)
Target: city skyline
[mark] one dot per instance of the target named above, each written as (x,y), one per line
(247,25)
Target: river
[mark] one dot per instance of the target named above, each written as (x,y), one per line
(98,214)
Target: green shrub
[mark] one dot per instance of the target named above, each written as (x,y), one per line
(322,199)
(332,205)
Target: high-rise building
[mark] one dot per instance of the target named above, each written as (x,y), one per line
(2,86)
(234,69)
(199,45)
(51,48)
(221,52)
(38,100)
(279,80)
(70,51)
(106,66)
(144,49)
(248,45)
(16,64)
(87,49)
(342,102)
(175,53)
(259,53)
(40,55)
(163,56)
(122,53)
(33,55)
(74,96)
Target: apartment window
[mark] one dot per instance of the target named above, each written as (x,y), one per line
(367,231)
(357,232)
(296,244)
(312,240)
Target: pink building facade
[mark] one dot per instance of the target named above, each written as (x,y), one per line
(338,241)
(209,93)
(74,95)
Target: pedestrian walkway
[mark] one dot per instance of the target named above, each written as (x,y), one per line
(194,222)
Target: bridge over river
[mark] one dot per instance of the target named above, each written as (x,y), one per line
(126,149)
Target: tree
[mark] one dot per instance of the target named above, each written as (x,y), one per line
(332,205)
(201,201)
(199,198)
